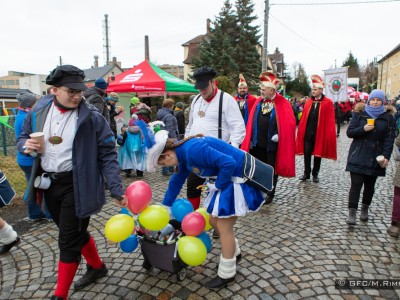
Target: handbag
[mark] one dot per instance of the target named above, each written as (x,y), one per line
(258,174)
(7,193)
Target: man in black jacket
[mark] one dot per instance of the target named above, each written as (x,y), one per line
(95,96)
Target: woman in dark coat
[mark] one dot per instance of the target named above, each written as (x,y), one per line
(372,129)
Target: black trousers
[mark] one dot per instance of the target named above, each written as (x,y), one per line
(308,149)
(269,158)
(73,232)
(357,182)
(193,181)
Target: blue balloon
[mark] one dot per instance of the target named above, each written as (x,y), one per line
(180,208)
(130,244)
(205,238)
(125,211)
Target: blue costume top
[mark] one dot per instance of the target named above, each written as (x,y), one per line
(211,157)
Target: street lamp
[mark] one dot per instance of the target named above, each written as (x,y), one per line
(373,73)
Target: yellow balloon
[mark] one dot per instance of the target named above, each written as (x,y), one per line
(206,216)
(192,250)
(119,227)
(154,217)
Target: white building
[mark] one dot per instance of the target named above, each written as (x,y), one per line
(35,83)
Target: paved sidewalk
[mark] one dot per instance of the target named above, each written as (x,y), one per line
(294,248)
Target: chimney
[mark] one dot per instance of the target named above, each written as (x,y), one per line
(146,48)
(114,60)
(96,61)
(208,25)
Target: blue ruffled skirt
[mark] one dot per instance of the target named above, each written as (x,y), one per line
(236,200)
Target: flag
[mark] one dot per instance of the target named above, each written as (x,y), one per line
(336,84)
(4,121)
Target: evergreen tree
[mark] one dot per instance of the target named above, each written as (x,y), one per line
(219,51)
(299,84)
(246,54)
(353,67)
(231,47)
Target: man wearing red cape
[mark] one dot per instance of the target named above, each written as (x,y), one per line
(316,134)
(270,131)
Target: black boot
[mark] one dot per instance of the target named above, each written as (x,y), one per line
(364,213)
(218,282)
(56,298)
(304,177)
(5,248)
(90,276)
(315,179)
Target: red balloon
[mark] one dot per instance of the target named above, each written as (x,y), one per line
(139,196)
(193,224)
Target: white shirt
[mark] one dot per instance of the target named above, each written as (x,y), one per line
(58,157)
(233,128)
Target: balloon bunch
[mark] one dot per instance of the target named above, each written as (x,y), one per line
(121,228)
(193,247)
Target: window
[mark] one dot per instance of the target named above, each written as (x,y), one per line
(2,82)
(10,82)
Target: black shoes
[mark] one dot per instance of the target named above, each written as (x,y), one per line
(56,298)
(268,200)
(90,276)
(5,248)
(218,282)
(215,234)
(304,178)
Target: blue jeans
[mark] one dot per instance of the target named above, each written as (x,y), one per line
(34,210)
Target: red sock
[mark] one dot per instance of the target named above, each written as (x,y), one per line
(195,202)
(66,273)
(89,252)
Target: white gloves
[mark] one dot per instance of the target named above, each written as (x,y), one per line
(274,138)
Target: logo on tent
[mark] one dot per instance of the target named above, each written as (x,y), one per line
(133,77)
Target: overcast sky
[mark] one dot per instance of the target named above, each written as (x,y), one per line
(36,33)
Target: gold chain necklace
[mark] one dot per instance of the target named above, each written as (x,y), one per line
(202,113)
(55,139)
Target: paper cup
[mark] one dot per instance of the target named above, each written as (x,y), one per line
(380,159)
(371,122)
(39,137)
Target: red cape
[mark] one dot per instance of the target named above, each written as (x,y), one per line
(285,156)
(325,140)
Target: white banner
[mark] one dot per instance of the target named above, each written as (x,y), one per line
(336,84)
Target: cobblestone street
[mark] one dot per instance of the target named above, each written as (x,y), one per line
(294,248)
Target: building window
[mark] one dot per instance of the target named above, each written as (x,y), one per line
(10,82)
(1,82)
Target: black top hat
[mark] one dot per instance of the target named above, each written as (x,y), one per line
(67,75)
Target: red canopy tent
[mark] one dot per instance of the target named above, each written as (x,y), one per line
(147,80)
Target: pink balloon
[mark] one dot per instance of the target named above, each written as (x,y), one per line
(139,196)
(193,224)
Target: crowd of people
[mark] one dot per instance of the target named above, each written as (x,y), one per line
(235,146)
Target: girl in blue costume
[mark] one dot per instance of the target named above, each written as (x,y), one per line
(132,154)
(229,196)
